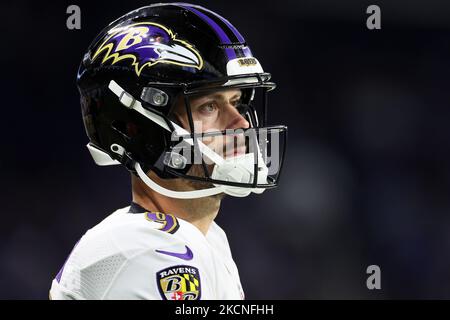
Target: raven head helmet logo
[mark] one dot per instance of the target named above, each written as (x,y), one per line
(146,44)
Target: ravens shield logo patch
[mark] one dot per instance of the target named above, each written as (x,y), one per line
(179,283)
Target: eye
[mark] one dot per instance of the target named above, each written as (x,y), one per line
(208,108)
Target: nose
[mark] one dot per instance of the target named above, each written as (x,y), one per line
(234,119)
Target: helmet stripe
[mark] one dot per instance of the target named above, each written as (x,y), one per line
(239,37)
(232,33)
(231,53)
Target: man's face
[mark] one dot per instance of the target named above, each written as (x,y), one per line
(215,111)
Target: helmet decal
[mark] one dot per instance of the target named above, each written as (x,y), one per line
(146,44)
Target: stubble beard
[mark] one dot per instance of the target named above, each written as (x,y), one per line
(198,206)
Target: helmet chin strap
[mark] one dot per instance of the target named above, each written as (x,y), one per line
(236,169)
(176,194)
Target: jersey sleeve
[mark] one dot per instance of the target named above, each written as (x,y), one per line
(122,263)
(89,269)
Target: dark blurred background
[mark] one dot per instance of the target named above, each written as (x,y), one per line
(367,175)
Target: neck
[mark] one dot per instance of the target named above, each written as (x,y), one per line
(199,212)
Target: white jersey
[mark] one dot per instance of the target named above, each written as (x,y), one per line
(149,256)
